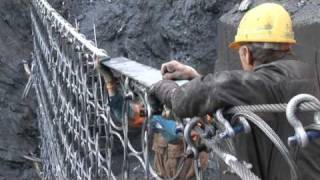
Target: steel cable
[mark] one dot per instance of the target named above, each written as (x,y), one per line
(240,169)
(268,131)
(212,143)
(305,106)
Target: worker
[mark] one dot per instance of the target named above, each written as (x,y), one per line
(170,159)
(270,74)
(168,146)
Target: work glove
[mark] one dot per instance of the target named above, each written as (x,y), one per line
(116,106)
(163,91)
(167,128)
(175,70)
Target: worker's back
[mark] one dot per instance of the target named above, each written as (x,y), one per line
(282,79)
(270,83)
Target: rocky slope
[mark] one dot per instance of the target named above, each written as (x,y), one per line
(152,31)
(18,135)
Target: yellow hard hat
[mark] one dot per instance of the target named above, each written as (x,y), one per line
(268,22)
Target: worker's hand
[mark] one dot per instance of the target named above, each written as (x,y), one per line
(175,70)
(167,128)
(163,91)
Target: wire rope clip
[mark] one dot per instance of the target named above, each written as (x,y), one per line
(228,130)
(301,137)
(191,151)
(242,126)
(312,135)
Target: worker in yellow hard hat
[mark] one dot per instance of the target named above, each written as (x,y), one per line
(271,74)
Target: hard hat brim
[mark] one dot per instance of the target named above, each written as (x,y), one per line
(234,45)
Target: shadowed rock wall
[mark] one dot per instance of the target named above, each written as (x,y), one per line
(18,135)
(152,31)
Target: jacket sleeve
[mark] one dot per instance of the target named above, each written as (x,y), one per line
(204,95)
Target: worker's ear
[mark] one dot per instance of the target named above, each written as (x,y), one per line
(246,58)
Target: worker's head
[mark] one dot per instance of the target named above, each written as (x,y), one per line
(264,35)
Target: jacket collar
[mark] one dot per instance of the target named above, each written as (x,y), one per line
(287,57)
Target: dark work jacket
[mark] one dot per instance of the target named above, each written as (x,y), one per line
(275,82)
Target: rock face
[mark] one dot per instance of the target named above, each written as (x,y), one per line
(18,134)
(152,31)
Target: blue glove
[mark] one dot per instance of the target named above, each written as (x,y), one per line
(167,128)
(116,105)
